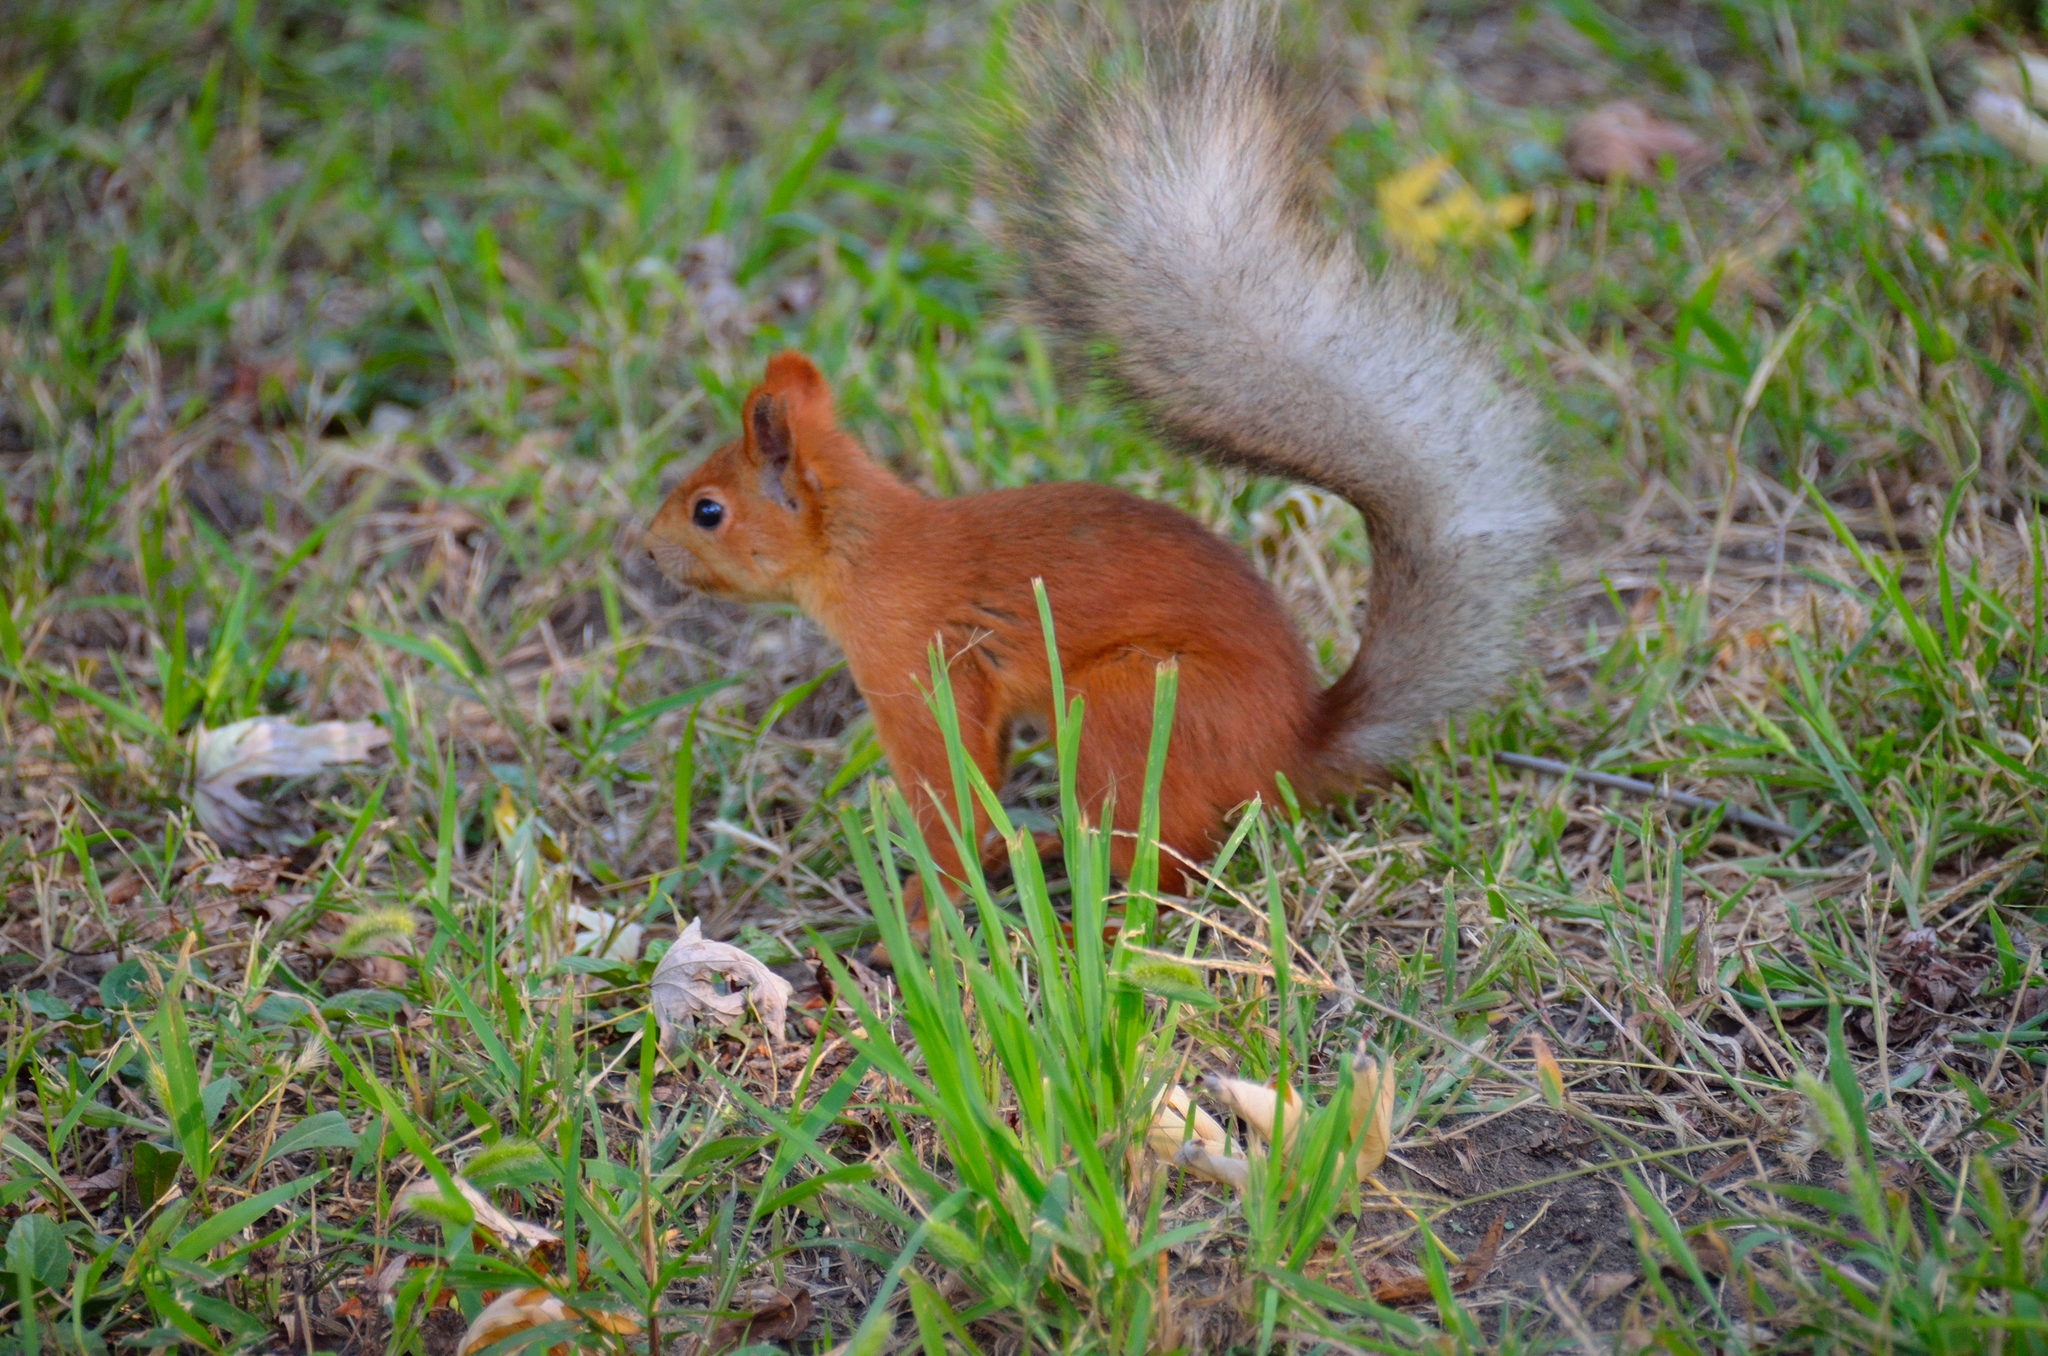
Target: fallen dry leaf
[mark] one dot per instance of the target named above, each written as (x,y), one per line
(266,746)
(1427,204)
(424,1196)
(1929,980)
(2023,75)
(1260,1105)
(1395,1282)
(604,935)
(810,983)
(1603,1286)
(778,1316)
(1399,1283)
(529,1307)
(1205,1151)
(1930,236)
(1710,1249)
(246,875)
(507,820)
(684,987)
(866,980)
(100,1184)
(2007,120)
(383,1285)
(1549,1077)
(1479,1261)
(1624,140)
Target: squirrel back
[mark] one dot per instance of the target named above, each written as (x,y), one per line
(1170,228)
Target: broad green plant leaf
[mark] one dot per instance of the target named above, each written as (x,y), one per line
(327,1130)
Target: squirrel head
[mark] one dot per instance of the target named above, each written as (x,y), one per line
(748,524)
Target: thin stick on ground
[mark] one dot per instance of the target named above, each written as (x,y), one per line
(1635,786)
(1409,1211)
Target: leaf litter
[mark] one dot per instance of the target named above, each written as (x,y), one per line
(225,759)
(476,1211)
(1625,140)
(1634,610)
(700,981)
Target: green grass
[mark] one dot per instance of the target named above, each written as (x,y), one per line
(344,347)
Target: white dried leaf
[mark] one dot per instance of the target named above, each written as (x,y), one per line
(384,1285)
(246,875)
(266,746)
(605,935)
(2024,74)
(531,1307)
(1603,1286)
(425,1196)
(2008,121)
(685,986)
(1624,140)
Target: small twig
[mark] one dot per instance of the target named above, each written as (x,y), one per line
(1636,786)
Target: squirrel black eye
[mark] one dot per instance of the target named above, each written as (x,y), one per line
(707,513)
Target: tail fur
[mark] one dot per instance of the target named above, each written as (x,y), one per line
(1169,223)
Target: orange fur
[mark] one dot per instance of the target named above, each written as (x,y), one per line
(811,519)
(1172,243)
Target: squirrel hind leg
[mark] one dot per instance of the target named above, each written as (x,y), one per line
(1211,764)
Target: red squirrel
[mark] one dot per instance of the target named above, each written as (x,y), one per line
(1169,227)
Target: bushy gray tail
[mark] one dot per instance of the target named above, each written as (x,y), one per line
(1170,227)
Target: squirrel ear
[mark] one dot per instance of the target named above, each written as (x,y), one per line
(773,444)
(798,379)
(792,393)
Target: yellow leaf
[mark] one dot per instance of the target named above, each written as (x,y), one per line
(1427,204)
(505,816)
(1549,1077)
